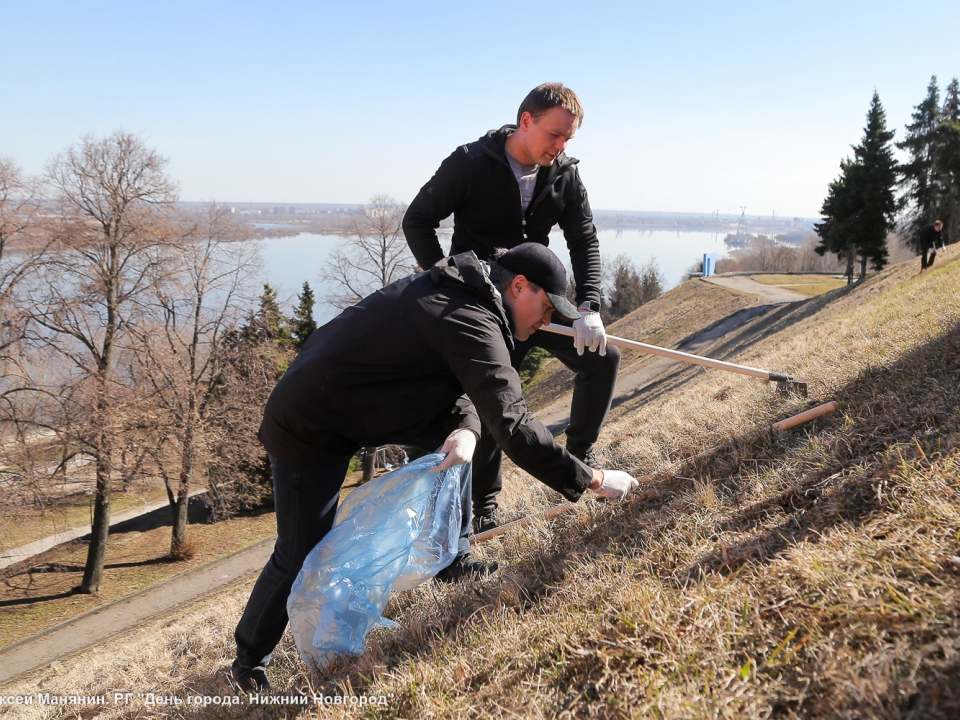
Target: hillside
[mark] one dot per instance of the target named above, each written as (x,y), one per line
(665,321)
(811,573)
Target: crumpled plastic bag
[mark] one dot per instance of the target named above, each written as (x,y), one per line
(393,533)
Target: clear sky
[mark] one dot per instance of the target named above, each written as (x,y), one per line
(690,106)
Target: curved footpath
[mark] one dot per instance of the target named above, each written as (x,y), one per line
(112,619)
(768,297)
(766,294)
(25,552)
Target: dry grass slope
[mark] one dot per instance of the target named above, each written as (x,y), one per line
(813,573)
(665,321)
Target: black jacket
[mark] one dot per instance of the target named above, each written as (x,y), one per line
(394,369)
(929,237)
(477,185)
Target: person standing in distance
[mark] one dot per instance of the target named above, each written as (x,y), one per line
(512,186)
(929,237)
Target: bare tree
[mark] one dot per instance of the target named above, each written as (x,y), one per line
(627,287)
(22,246)
(205,288)
(111,195)
(769,255)
(807,259)
(373,255)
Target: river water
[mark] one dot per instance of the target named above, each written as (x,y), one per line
(289,261)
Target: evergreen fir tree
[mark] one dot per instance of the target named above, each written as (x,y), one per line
(840,210)
(627,293)
(950,112)
(268,322)
(302,323)
(948,160)
(920,177)
(876,179)
(861,205)
(652,280)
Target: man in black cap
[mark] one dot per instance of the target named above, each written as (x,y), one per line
(420,362)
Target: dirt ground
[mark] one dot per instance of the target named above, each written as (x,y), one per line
(42,592)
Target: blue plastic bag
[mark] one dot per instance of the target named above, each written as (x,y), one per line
(393,533)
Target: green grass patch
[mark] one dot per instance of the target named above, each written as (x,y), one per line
(809,285)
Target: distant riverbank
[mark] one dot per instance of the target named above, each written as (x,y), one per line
(289,261)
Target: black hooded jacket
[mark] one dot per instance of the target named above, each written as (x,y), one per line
(929,237)
(408,365)
(478,187)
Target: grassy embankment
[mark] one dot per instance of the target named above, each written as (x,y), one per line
(24,525)
(812,573)
(40,593)
(665,321)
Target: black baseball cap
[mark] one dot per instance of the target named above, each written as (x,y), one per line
(541,267)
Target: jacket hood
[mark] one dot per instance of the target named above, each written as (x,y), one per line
(494,142)
(467,271)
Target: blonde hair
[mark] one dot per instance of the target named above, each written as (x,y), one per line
(551,95)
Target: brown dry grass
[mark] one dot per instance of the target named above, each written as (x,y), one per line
(41,593)
(21,525)
(665,321)
(813,573)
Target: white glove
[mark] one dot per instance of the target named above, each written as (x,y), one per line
(616,484)
(590,332)
(459,447)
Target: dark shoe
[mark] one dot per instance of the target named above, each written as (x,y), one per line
(587,457)
(466,566)
(250,679)
(487,521)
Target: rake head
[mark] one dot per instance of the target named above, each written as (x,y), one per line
(787,385)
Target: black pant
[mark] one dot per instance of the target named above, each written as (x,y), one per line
(924,263)
(306,503)
(596,377)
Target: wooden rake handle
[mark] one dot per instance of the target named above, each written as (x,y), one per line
(678,355)
(790,422)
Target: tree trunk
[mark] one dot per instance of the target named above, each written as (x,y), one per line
(863,269)
(179,549)
(849,268)
(178,543)
(369,463)
(100,529)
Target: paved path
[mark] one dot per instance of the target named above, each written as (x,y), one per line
(556,416)
(766,294)
(116,617)
(24,552)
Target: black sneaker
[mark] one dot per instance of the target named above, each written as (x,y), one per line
(250,679)
(466,566)
(487,521)
(587,457)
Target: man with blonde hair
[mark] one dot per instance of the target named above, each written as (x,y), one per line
(512,186)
